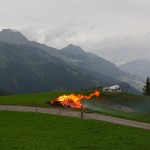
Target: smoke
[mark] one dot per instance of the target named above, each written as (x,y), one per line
(117,105)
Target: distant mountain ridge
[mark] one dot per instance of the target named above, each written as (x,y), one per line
(26,69)
(97,65)
(12,36)
(138,67)
(84,68)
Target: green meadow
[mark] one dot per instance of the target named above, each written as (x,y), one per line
(35,131)
(38,99)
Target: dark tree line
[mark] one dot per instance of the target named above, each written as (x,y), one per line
(146,88)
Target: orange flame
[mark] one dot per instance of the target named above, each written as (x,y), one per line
(73,100)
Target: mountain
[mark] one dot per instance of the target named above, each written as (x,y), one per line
(97,65)
(82,68)
(26,69)
(53,52)
(12,36)
(137,67)
(90,61)
(106,72)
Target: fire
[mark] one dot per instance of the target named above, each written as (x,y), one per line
(73,100)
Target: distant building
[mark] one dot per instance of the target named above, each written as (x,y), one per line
(114,88)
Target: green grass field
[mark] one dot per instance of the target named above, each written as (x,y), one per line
(139,104)
(40,99)
(35,131)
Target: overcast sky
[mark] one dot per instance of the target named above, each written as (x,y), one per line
(118,30)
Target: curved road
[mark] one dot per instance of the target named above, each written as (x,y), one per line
(77,114)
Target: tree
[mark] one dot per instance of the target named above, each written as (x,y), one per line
(146,88)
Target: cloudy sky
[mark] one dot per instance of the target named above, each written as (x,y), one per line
(118,30)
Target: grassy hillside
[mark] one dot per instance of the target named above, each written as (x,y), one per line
(30,131)
(122,105)
(39,99)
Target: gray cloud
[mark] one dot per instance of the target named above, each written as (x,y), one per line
(122,49)
(115,29)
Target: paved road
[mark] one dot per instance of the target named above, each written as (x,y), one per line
(65,112)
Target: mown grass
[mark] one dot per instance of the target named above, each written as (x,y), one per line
(39,99)
(34,131)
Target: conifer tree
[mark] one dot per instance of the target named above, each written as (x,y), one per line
(146,88)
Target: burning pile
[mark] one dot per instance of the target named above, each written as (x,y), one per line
(73,100)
